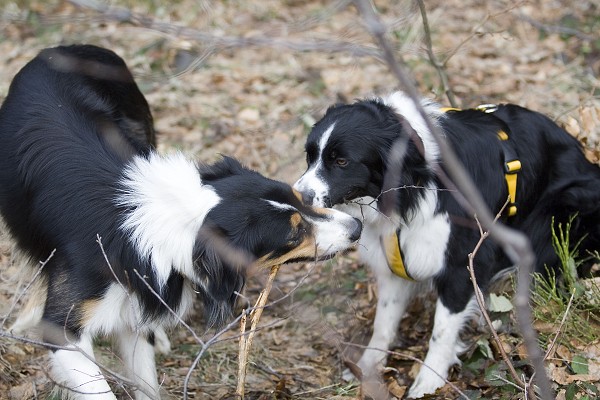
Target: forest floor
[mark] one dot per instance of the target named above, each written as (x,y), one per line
(256,100)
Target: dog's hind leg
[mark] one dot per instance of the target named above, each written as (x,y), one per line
(138,357)
(444,348)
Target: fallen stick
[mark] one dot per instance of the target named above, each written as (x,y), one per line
(246,339)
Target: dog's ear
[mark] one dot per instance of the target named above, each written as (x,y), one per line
(223,168)
(220,269)
(334,106)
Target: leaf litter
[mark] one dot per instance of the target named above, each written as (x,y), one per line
(257,104)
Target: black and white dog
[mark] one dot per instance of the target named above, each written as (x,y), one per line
(510,152)
(77,160)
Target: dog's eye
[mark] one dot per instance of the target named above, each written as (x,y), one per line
(342,162)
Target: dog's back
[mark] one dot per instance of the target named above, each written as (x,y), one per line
(554,181)
(38,127)
(572,188)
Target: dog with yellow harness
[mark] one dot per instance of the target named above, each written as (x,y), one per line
(521,161)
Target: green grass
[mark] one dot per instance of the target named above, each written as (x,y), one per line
(564,298)
(553,292)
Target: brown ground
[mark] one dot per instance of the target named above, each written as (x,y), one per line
(257,104)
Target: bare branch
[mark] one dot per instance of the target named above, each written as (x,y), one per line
(481,302)
(214,42)
(433,59)
(563,30)
(246,342)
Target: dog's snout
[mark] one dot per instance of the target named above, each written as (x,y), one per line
(355,235)
(308,196)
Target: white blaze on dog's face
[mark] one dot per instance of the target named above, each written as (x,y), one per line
(347,151)
(343,153)
(311,185)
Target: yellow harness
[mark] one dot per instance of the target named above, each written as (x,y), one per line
(512,166)
(393,255)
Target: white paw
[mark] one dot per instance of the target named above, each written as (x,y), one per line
(370,365)
(162,344)
(348,376)
(427,382)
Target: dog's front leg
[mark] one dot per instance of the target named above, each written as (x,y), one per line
(444,347)
(138,357)
(75,369)
(394,293)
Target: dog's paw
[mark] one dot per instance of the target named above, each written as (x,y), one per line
(369,366)
(427,382)
(348,376)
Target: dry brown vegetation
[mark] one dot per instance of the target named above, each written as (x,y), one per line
(248,79)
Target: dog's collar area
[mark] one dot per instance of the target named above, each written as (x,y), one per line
(393,255)
(512,164)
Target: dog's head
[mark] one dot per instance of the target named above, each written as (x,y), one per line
(348,151)
(265,220)
(208,223)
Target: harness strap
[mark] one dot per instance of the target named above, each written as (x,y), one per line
(512,165)
(393,255)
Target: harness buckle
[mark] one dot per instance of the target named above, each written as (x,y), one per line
(487,108)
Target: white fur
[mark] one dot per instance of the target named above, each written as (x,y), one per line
(403,105)
(169,203)
(117,313)
(119,310)
(444,347)
(423,241)
(312,179)
(394,293)
(333,234)
(138,357)
(281,206)
(424,237)
(75,368)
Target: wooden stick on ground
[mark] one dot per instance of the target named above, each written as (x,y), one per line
(246,340)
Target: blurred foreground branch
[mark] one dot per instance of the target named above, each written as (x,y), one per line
(214,42)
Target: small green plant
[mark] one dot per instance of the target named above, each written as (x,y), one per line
(552,292)
(567,309)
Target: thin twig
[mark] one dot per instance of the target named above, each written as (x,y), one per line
(439,67)
(215,41)
(481,302)
(246,341)
(563,30)
(475,31)
(559,330)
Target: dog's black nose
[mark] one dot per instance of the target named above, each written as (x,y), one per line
(357,230)
(308,196)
